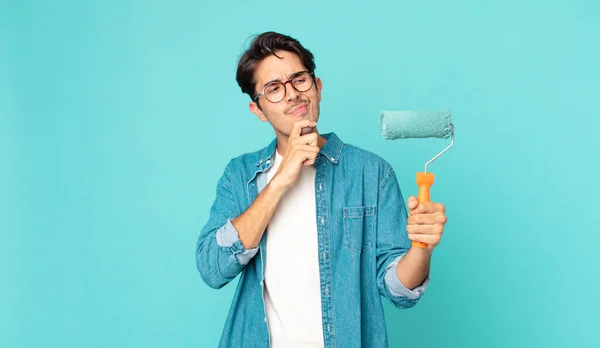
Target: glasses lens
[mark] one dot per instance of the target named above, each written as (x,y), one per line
(275,92)
(302,82)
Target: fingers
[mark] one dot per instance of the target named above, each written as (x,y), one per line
(307,154)
(306,130)
(313,150)
(412,202)
(308,139)
(426,222)
(427,219)
(426,208)
(424,229)
(302,153)
(298,126)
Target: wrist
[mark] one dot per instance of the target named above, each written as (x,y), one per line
(277,185)
(421,252)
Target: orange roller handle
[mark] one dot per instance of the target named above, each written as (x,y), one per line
(424,181)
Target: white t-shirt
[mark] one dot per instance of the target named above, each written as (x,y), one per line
(292,282)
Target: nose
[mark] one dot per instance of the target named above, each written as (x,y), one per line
(290,91)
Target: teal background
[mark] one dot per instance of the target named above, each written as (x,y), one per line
(118,117)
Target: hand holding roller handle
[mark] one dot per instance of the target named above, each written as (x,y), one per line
(421,124)
(427,219)
(425,181)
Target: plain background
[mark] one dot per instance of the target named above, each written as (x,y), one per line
(118,117)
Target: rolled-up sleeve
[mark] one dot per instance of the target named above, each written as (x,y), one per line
(392,242)
(220,255)
(228,237)
(397,288)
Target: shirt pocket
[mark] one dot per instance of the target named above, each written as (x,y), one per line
(358,228)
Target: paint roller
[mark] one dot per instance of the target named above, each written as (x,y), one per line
(419,124)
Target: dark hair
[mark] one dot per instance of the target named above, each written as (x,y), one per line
(262,46)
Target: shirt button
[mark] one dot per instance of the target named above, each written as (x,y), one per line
(262,283)
(328,327)
(322,220)
(324,256)
(265,319)
(326,290)
(320,187)
(333,159)
(268,161)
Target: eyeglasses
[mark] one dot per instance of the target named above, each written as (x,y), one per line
(274,92)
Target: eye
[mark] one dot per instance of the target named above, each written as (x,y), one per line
(273,89)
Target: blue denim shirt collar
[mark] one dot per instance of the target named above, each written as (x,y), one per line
(331,150)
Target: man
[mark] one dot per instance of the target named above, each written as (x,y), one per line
(316,229)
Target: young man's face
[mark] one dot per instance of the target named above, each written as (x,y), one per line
(294,105)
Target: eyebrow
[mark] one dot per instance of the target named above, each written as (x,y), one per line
(272,81)
(278,80)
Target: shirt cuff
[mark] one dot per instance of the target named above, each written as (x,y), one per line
(397,288)
(228,237)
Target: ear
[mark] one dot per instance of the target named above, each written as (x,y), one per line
(255,109)
(319,87)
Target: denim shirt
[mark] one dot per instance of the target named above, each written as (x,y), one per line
(361,224)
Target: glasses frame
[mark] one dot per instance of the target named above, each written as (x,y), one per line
(313,78)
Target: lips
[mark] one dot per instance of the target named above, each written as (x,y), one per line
(299,109)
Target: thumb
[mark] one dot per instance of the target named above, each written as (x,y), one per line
(412,203)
